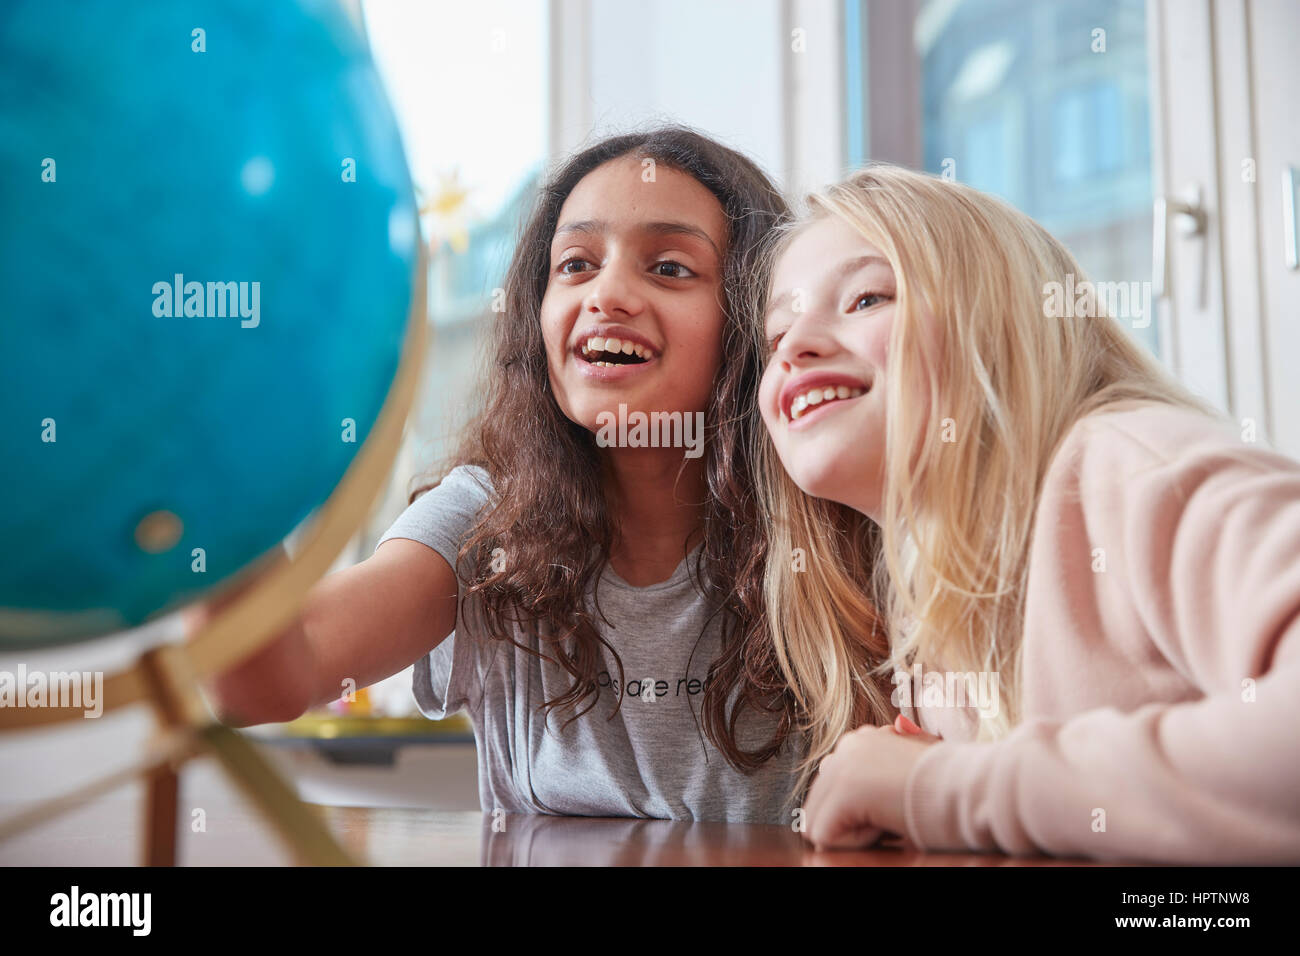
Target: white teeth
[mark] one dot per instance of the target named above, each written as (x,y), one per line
(817,396)
(598,343)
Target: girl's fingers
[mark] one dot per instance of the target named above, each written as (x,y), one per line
(841,820)
(852,838)
(811,800)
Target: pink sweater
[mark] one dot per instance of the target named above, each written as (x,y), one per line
(1161,696)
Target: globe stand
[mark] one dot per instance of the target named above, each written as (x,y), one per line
(186,731)
(180,709)
(168,677)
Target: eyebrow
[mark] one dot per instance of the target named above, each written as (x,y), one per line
(847,267)
(598,226)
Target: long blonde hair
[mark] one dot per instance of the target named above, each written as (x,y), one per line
(944,574)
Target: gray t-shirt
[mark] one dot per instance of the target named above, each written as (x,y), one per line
(652,759)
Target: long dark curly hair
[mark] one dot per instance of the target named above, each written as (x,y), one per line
(548,510)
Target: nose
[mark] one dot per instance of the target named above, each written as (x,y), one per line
(807,338)
(614,291)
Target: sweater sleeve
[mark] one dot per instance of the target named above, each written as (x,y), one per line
(1207,532)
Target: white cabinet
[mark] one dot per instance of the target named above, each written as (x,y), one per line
(1274,32)
(1224,80)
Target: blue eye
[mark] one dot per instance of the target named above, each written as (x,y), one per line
(867,297)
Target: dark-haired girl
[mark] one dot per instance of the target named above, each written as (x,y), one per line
(595,608)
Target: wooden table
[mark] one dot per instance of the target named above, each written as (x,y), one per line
(219,827)
(107,833)
(428,838)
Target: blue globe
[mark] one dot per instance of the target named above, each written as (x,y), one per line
(207,262)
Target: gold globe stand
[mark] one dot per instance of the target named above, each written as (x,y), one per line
(168,677)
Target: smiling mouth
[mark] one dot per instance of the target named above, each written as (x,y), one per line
(818,397)
(608,352)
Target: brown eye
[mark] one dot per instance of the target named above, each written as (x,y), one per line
(675,270)
(564,266)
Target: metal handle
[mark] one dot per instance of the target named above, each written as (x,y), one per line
(1190,213)
(1290,238)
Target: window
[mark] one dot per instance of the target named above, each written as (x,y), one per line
(1044,104)
(468,85)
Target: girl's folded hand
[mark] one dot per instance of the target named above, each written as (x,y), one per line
(858,793)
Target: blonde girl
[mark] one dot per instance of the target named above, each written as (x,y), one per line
(1089,581)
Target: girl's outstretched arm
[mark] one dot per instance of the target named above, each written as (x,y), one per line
(365,622)
(1165,578)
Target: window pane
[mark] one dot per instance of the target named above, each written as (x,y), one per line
(1030,100)
(468,85)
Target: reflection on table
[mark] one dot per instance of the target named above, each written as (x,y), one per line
(424,837)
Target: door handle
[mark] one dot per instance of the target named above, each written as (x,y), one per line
(1189,212)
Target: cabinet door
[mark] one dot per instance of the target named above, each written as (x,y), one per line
(1227,75)
(1193,311)
(1274,29)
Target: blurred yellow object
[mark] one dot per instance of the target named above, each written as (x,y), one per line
(327,726)
(361,706)
(448,211)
